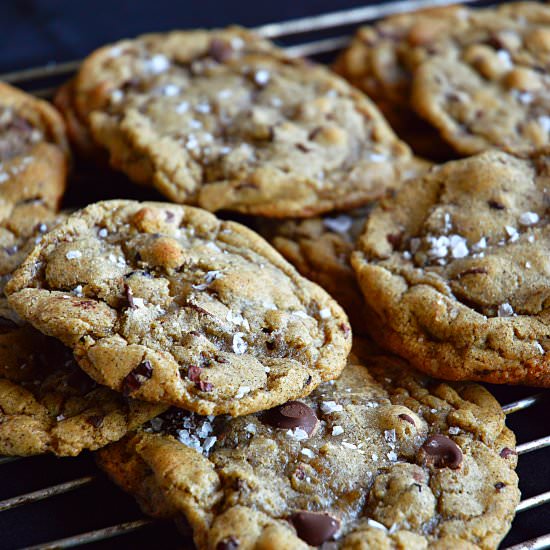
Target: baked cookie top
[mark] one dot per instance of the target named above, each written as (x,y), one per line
(47,404)
(454,268)
(169,304)
(486,87)
(383,457)
(225,120)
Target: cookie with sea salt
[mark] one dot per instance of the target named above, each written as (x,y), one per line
(47,404)
(383,457)
(454,270)
(225,120)
(169,304)
(487,87)
(33,151)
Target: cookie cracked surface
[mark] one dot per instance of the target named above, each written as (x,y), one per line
(383,457)
(169,304)
(225,120)
(454,270)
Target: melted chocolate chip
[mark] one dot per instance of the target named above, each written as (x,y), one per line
(314,527)
(407,418)
(135,379)
(129,296)
(495,205)
(291,415)
(441,452)
(506,452)
(230,543)
(220,50)
(95,420)
(394,239)
(194,374)
(80,381)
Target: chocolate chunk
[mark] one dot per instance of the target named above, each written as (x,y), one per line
(506,452)
(194,374)
(135,379)
(314,527)
(407,418)
(220,50)
(7,325)
(345,329)
(495,205)
(499,485)
(230,543)
(95,420)
(129,296)
(291,415)
(441,452)
(395,239)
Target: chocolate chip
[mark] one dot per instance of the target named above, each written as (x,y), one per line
(7,325)
(194,374)
(169,215)
(129,296)
(95,420)
(229,543)
(506,452)
(314,527)
(308,380)
(499,485)
(291,415)
(135,379)
(407,418)
(394,239)
(220,50)
(495,205)
(303,148)
(441,452)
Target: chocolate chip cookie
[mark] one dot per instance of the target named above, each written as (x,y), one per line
(225,120)
(47,404)
(383,457)
(169,304)
(453,269)
(33,151)
(486,87)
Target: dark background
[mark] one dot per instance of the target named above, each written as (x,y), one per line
(36,32)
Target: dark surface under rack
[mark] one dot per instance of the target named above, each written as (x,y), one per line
(48,502)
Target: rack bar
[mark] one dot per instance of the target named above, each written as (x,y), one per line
(533,544)
(318,46)
(8,459)
(533,445)
(94,536)
(52,69)
(533,502)
(522,404)
(347,17)
(42,494)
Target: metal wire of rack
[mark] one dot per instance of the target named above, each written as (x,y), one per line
(31,80)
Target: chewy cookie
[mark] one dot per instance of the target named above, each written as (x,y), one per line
(169,304)
(487,87)
(454,270)
(47,404)
(383,457)
(225,120)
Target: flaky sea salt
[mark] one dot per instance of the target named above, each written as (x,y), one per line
(242,391)
(328,407)
(73,255)
(529,218)
(338,224)
(239,345)
(325,313)
(262,77)
(337,430)
(505,310)
(297,434)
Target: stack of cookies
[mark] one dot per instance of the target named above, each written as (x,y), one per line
(219,377)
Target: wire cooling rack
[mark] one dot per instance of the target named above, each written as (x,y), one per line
(526,415)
